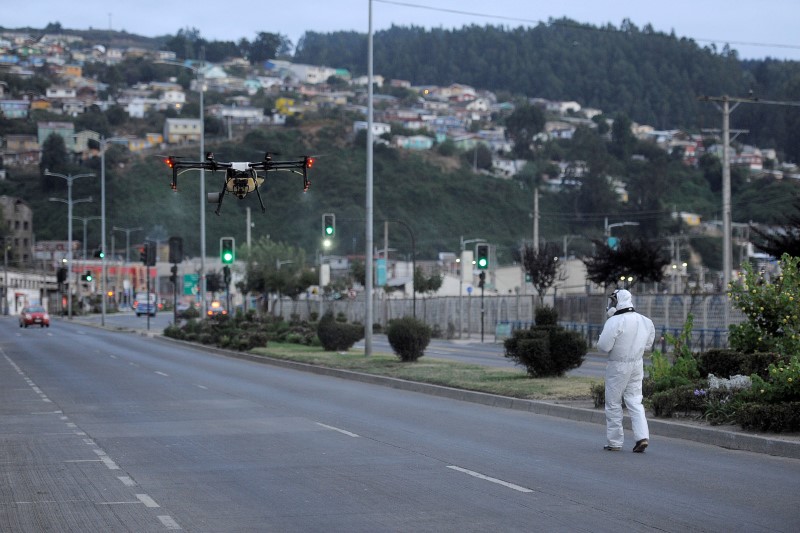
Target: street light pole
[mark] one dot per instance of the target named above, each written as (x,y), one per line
(85,220)
(69,178)
(203,199)
(369,202)
(104,274)
(127,242)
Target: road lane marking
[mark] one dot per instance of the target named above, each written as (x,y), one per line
(127,481)
(349,434)
(162,374)
(147,500)
(169,522)
(201,386)
(491,479)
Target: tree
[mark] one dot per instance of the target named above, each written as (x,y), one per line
(542,266)
(426,285)
(786,240)
(265,46)
(521,125)
(634,259)
(276,268)
(54,159)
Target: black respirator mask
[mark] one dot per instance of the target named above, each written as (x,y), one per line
(611,307)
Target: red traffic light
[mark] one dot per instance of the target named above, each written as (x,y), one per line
(170,162)
(309,162)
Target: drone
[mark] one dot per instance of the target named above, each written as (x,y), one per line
(241,178)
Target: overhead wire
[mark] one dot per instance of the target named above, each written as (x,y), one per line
(575,26)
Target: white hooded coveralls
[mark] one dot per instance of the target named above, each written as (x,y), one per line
(625,337)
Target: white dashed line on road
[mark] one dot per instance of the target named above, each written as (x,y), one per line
(490,479)
(147,500)
(349,434)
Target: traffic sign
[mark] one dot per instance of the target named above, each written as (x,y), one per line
(190,284)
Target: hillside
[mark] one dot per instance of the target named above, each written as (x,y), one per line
(652,77)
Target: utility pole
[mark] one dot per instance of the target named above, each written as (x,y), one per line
(726,109)
(536,220)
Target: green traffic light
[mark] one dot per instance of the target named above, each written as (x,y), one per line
(227,257)
(328,230)
(482,262)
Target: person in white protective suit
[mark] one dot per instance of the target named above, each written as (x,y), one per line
(625,336)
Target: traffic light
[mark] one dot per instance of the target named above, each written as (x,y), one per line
(99,254)
(226,275)
(227,250)
(173,277)
(482,256)
(150,253)
(87,276)
(328,225)
(143,254)
(175,250)
(61,275)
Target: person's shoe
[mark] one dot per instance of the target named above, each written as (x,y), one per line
(610,448)
(640,446)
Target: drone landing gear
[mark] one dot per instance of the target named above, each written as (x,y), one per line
(263,209)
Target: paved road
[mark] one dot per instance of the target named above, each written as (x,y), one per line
(107,431)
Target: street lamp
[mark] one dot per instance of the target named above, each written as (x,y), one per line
(69,178)
(203,200)
(85,220)
(103,145)
(617,225)
(127,242)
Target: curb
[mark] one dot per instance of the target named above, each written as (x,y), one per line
(723,438)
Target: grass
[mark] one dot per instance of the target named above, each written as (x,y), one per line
(513,382)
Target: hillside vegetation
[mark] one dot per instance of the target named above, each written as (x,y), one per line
(652,77)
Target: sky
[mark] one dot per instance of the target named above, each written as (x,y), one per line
(767,28)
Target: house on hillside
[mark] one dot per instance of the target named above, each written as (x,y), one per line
(65,129)
(182,130)
(21,150)
(14,108)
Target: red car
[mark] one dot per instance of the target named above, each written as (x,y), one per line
(34,315)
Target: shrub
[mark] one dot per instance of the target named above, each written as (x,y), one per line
(683,371)
(769,417)
(337,336)
(727,363)
(771,308)
(546,349)
(684,399)
(598,392)
(408,338)
(545,316)
(781,385)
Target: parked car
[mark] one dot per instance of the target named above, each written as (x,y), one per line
(33,315)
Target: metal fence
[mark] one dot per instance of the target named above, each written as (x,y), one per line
(495,317)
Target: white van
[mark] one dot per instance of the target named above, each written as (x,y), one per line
(145,304)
